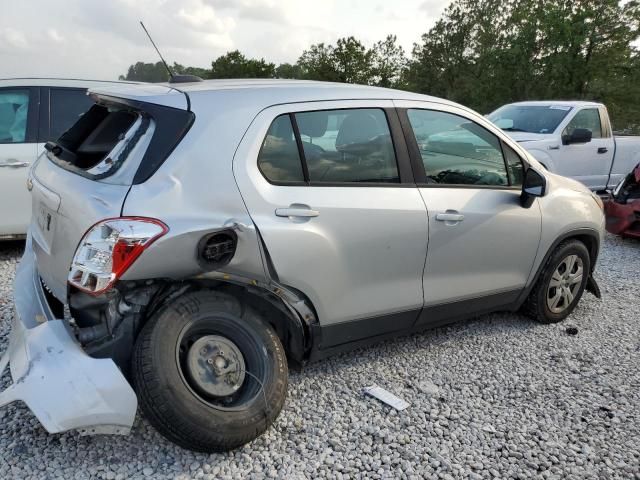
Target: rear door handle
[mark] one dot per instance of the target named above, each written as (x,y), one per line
(603,150)
(296,211)
(449,217)
(13,163)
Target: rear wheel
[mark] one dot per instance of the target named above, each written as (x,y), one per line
(561,283)
(209,373)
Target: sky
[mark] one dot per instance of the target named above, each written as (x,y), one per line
(99,39)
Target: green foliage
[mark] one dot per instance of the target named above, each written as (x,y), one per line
(481,53)
(236,65)
(146,72)
(487,53)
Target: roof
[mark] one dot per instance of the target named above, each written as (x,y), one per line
(270,91)
(565,103)
(60,82)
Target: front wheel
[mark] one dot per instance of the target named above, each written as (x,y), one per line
(209,373)
(561,283)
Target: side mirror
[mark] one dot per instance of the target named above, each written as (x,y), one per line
(533,186)
(579,135)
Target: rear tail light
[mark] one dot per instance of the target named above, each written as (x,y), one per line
(109,248)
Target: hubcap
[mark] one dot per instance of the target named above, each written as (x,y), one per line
(565,283)
(215,365)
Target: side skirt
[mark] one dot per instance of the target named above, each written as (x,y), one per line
(347,336)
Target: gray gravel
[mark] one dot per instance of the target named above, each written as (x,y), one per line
(498,396)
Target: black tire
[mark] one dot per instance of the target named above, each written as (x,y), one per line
(172,400)
(536,305)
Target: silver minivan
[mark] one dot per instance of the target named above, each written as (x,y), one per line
(190,241)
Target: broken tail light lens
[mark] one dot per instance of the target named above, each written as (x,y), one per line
(109,248)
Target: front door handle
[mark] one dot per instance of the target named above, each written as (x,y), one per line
(13,163)
(297,210)
(603,150)
(450,217)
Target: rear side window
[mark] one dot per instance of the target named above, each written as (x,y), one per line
(14,109)
(279,159)
(330,147)
(348,146)
(457,151)
(66,106)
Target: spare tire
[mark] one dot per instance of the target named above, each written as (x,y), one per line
(210,374)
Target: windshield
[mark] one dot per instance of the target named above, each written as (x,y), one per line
(529,118)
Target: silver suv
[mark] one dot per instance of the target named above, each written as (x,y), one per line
(191,241)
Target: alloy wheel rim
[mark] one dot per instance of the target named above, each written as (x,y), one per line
(565,283)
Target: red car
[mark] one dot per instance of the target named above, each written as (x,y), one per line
(623,208)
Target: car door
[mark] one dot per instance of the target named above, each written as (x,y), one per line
(332,195)
(18,150)
(588,162)
(482,242)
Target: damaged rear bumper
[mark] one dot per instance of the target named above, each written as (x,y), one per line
(64,387)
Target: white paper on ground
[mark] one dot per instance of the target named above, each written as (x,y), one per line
(386,396)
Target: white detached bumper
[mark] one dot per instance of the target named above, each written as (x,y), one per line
(64,387)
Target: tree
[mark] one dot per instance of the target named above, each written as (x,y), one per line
(389,62)
(486,53)
(146,72)
(235,65)
(349,61)
(287,70)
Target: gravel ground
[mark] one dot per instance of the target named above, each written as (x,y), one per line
(498,396)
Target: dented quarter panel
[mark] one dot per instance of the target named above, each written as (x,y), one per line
(194,193)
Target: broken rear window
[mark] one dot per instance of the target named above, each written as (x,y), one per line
(99,142)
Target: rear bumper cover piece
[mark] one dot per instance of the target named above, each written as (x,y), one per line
(64,387)
(623,219)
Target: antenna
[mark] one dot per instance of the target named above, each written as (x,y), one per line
(171,75)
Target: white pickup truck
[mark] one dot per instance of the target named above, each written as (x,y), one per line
(571,138)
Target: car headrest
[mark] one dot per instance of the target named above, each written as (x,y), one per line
(312,124)
(358,127)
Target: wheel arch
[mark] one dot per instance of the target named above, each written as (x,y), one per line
(289,319)
(588,236)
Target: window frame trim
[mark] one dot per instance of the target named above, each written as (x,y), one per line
(396,134)
(416,158)
(33,113)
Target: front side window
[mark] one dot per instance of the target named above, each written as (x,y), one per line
(67,105)
(588,118)
(279,160)
(457,151)
(14,108)
(348,146)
